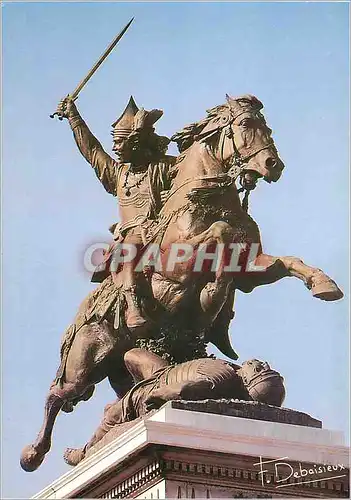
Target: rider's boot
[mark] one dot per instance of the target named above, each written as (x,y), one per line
(135,320)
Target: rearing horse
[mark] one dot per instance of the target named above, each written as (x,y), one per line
(203,209)
(232,142)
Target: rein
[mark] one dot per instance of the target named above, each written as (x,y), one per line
(212,178)
(238,162)
(235,170)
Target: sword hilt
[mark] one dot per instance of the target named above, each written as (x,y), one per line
(60,117)
(58,114)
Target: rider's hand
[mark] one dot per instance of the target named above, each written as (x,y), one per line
(66,107)
(153,403)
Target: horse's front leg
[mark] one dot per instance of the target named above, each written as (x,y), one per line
(214,294)
(275,268)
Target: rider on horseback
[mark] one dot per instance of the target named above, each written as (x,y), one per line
(140,179)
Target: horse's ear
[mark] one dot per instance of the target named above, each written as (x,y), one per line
(230,100)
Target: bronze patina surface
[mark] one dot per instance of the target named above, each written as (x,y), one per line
(158,382)
(194,199)
(191,199)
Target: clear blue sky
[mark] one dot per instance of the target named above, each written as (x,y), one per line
(183,58)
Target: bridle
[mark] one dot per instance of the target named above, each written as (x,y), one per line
(238,161)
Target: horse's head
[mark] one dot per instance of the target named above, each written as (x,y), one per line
(248,140)
(239,137)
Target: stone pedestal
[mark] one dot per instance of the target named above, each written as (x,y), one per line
(178,452)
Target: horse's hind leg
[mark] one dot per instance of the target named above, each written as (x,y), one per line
(114,414)
(79,377)
(68,407)
(33,454)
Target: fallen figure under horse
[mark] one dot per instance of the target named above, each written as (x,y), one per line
(203,208)
(158,382)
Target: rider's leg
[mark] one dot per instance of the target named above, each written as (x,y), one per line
(135,319)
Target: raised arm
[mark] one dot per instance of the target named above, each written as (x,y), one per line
(102,163)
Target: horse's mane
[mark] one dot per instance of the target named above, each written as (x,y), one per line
(188,135)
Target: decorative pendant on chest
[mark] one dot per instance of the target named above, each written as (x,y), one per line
(139,179)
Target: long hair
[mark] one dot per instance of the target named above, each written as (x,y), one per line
(152,146)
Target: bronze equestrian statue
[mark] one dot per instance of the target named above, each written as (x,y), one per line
(202,209)
(158,382)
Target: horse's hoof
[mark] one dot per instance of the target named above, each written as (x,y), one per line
(206,295)
(31,458)
(327,290)
(212,297)
(72,456)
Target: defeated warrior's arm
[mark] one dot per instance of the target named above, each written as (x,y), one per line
(90,148)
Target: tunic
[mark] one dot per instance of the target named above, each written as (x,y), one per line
(144,200)
(138,193)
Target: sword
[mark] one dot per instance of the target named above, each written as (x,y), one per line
(114,42)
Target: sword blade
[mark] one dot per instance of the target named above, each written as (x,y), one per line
(114,42)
